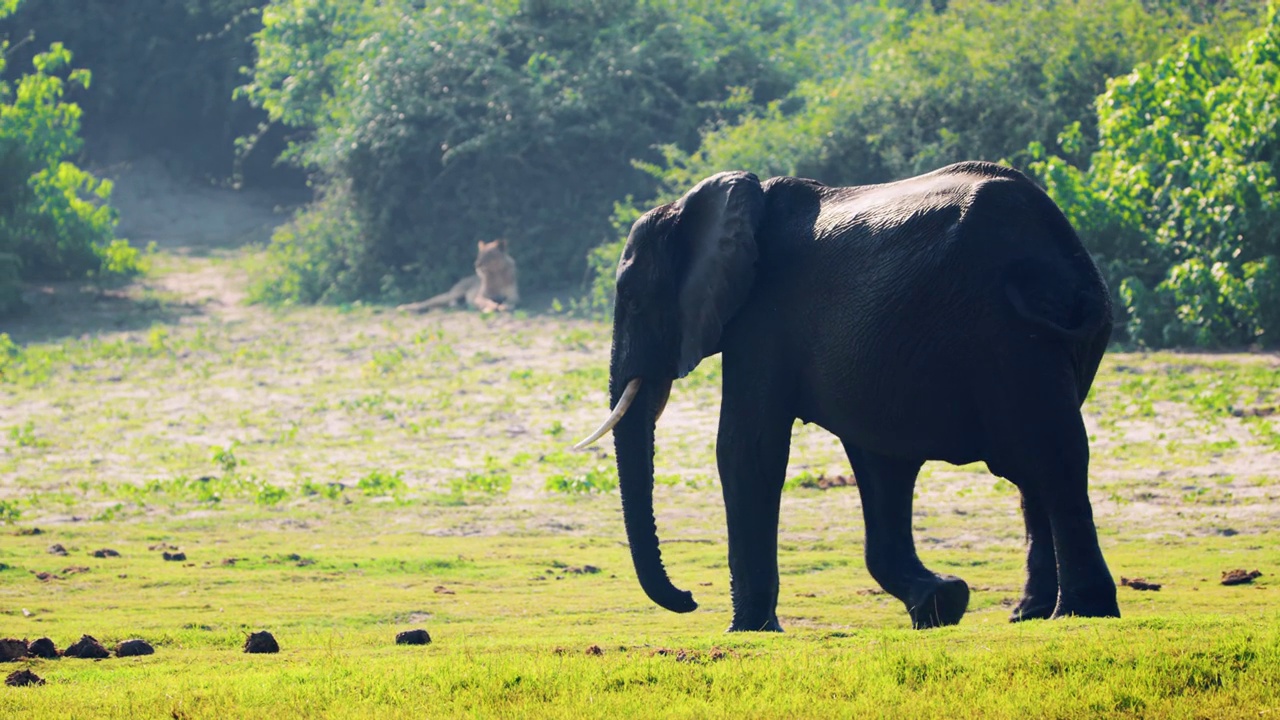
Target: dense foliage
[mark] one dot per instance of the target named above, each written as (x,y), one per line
(1181,202)
(55,222)
(427,125)
(164,72)
(437,124)
(980,80)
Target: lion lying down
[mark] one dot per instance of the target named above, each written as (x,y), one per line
(493,287)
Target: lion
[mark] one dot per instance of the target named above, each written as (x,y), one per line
(492,288)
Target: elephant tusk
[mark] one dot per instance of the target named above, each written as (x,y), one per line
(624,403)
(665,395)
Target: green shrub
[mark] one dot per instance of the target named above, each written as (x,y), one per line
(1181,201)
(444,123)
(164,73)
(980,80)
(55,222)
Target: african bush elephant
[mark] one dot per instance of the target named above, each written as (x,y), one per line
(952,316)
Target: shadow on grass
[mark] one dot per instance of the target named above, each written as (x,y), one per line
(66,310)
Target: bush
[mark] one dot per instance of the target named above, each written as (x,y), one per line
(979,80)
(460,121)
(55,223)
(1181,202)
(164,74)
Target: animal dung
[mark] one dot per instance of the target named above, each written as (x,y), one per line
(261,642)
(594,650)
(175,557)
(131,648)
(23,678)
(57,549)
(1239,577)
(413,637)
(1139,584)
(12,649)
(43,648)
(105,553)
(86,648)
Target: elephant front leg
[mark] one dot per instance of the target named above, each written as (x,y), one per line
(886,486)
(752,452)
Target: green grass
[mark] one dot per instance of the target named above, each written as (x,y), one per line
(338,475)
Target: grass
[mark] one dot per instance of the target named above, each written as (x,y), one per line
(338,475)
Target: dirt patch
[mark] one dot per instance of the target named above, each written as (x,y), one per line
(74,570)
(87,648)
(46,576)
(105,553)
(131,648)
(1239,577)
(442,590)
(584,570)
(413,637)
(162,546)
(12,649)
(43,648)
(261,642)
(30,531)
(175,557)
(1139,584)
(22,678)
(57,549)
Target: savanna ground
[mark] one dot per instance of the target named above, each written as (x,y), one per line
(337,475)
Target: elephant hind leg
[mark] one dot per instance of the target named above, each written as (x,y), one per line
(1040,595)
(1043,448)
(887,486)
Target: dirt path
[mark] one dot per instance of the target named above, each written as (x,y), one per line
(199,232)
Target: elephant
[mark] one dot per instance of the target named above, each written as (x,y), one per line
(953,316)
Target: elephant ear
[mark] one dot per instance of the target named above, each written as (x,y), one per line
(718,220)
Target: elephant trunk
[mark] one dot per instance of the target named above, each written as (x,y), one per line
(633,443)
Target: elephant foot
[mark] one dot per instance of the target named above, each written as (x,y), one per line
(770,625)
(942,604)
(1098,604)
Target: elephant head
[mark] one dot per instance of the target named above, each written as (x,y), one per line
(685,271)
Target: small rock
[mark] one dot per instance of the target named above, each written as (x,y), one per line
(12,649)
(594,650)
(1239,577)
(413,637)
(261,642)
(105,553)
(22,678)
(43,648)
(87,648)
(175,557)
(57,549)
(130,648)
